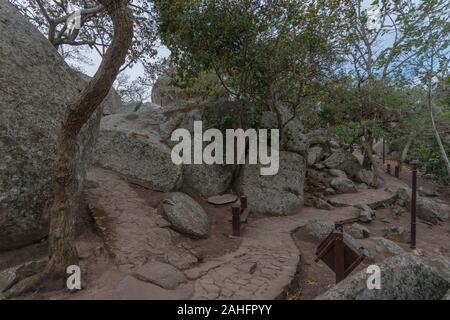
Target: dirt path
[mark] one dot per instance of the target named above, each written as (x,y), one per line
(433,242)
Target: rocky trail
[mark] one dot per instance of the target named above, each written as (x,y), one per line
(137,256)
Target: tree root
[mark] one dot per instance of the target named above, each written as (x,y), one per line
(41,280)
(27,285)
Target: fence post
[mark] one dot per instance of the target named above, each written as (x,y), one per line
(413,204)
(236,211)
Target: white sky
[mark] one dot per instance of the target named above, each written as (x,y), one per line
(134,72)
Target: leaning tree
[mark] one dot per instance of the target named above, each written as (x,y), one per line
(96,30)
(62,250)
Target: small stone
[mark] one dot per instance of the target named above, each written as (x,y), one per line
(357,231)
(338,173)
(397,234)
(322,204)
(366,214)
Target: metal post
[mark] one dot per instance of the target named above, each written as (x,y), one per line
(236,211)
(339,267)
(413,204)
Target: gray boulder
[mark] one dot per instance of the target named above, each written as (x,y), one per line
(427,209)
(314,155)
(447,296)
(294,138)
(130,144)
(343,185)
(140,157)
(366,213)
(338,173)
(357,231)
(365,176)
(37,86)
(431,211)
(397,234)
(403,277)
(185,215)
(208,180)
(318,229)
(345,161)
(379,249)
(280,194)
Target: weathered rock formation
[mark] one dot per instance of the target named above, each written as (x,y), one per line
(36,87)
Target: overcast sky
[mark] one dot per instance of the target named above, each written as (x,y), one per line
(134,72)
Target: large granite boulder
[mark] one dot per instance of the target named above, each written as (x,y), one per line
(343,185)
(36,88)
(403,277)
(280,194)
(318,229)
(427,209)
(345,161)
(208,180)
(132,148)
(185,215)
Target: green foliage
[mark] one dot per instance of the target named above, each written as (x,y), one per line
(431,161)
(265,54)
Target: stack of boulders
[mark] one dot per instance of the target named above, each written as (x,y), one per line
(332,169)
(138,145)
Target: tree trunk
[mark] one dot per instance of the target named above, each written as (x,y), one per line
(408,144)
(62,248)
(65,182)
(368,141)
(433,121)
(439,140)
